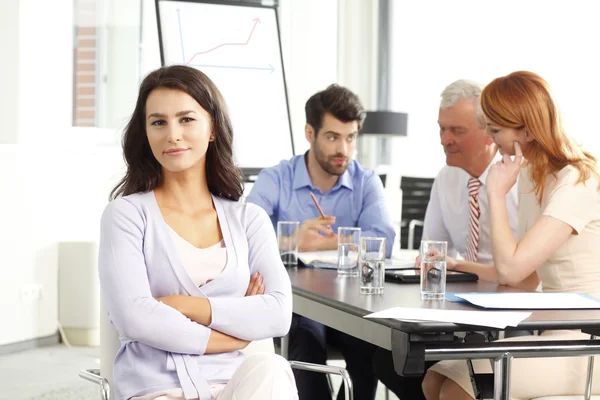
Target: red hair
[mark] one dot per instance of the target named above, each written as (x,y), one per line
(524,100)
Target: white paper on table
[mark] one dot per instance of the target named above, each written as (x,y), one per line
(320,259)
(531,301)
(402,259)
(494,319)
(328,259)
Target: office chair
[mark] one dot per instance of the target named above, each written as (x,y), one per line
(250,174)
(110,344)
(415,197)
(383,178)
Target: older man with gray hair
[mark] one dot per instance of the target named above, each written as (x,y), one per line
(458,208)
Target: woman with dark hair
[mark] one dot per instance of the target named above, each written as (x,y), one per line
(189,274)
(557,234)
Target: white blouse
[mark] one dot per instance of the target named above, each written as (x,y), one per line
(202,265)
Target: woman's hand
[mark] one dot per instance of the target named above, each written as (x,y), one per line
(502,176)
(256,285)
(451,263)
(219,342)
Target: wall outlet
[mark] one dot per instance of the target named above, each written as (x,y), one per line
(31,292)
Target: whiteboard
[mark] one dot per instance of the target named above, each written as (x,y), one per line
(238,47)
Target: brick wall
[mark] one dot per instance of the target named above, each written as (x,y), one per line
(85,63)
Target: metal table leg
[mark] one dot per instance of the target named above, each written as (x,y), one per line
(590,375)
(285,342)
(502,366)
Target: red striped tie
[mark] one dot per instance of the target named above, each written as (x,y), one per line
(474,213)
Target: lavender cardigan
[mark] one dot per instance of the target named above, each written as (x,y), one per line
(160,347)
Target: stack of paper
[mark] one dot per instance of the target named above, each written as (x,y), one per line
(494,319)
(529,301)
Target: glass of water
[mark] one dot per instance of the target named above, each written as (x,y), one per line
(348,249)
(287,236)
(371,265)
(433,269)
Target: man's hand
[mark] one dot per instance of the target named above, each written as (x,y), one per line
(316,234)
(320,224)
(256,285)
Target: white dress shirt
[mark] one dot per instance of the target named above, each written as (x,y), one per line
(447,215)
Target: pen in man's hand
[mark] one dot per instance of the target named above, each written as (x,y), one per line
(320,211)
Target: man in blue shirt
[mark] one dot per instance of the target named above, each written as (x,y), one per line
(350,196)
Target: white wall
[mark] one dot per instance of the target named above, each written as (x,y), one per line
(56,194)
(357,49)
(120,79)
(27,210)
(55,177)
(9,71)
(309,41)
(437,42)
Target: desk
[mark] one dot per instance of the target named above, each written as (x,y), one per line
(336,302)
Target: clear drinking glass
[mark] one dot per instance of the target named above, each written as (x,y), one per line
(287,236)
(371,265)
(348,250)
(433,269)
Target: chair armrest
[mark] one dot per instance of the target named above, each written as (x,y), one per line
(328,369)
(93,375)
(411,231)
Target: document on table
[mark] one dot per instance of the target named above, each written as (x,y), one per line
(531,301)
(319,259)
(328,259)
(494,319)
(402,259)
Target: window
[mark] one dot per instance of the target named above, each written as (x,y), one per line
(108,58)
(482,40)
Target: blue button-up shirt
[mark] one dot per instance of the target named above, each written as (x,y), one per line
(357,199)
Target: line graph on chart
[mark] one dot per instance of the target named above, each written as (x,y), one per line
(238,49)
(199,60)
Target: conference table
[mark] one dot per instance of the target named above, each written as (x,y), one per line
(319,294)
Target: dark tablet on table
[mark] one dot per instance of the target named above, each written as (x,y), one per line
(412,275)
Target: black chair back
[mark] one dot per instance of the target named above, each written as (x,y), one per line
(415,197)
(250,174)
(383,178)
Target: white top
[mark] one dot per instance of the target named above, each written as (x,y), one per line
(202,265)
(575,266)
(447,215)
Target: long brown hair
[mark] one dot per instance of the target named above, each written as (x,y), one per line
(144,173)
(524,100)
